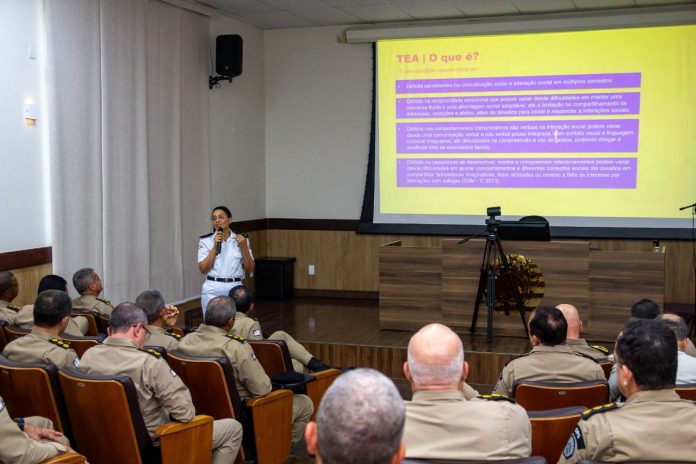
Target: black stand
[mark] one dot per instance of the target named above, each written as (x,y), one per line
(487,280)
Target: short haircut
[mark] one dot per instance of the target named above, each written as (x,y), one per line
(243,298)
(677,324)
(53,282)
(222,208)
(124,316)
(83,278)
(152,302)
(360,419)
(50,307)
(645,309)
(649,349)
(432,373)
(5,281)
(549,325)
(219,311)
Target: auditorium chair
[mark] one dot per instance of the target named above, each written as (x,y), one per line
(33,389)
(530,460)
(3,339)
(12,332)
(274,356)
(67,458)
(687,391)
(104,321)
(551,430)
(93,322)
(539,396)
(109,427)
(82,344)
(267,420)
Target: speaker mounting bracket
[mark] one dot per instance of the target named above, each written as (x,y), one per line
(213,81)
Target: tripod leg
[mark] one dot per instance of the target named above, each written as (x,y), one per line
(481,286)
(490,289)
(505,265)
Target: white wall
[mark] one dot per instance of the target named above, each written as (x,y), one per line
(237,144)
(23,176)
(318,107)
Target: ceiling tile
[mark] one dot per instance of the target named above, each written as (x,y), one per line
(485,7)
(278,19)
(238,6)
(326,16)
(377,13)
(294,4)
(428,9)
(342,3)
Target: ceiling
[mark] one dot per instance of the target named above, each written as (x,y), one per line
(278,14)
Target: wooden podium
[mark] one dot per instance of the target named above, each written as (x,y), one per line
(419,285)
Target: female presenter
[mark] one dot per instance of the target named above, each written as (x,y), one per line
(224,256)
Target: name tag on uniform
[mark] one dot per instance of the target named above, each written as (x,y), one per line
(253,356)
(257,333)
(76,362)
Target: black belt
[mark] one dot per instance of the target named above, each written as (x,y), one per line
(224,279)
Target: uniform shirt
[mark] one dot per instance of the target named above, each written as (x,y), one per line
(228,264)
(548,364)
(158,336)
(43,347)
(161,393)
(8,312)
(92,303)
(246,327)
(25,320)
(652,425)
(443,424)
(579,345)
(18,448)
(249,376)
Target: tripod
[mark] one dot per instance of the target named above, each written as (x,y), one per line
(487,280)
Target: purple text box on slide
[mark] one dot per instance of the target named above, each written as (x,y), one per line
(567,136)
(496,84)
(519,105)
(589,173)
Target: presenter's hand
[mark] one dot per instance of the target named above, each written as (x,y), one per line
(171,314)
(219,238)
(240,239)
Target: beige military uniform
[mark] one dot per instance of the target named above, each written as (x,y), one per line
(652,425)
(548,364)
(158,336)
(17,447)
(250,378)
(690,348)
(77,326)
(40,346)
(596,352)
(161,393)
(249,328)
(443,424)
(8,312)
(92,303)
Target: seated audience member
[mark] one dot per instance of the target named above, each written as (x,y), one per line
(654,424)
(89,285)
(51,317)
(360,420)
(212,339)
(644,309)
(29,440)
(579,345)
(77,326)
(686,365)
(9,289)
(249,328)
(441,422)
(160,317)
(161,393)
(550,360)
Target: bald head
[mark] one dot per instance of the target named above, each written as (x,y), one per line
(435,358)
(571,315)
(9,288)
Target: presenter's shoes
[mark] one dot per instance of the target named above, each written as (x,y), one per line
(315,365)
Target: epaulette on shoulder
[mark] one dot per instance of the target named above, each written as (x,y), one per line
(152,352)
(13,307)
(175,335)
(235,337)
(206,235)
(587,413)
(496,397)
(104,300)
(601,348)
(586,356)
(60,342)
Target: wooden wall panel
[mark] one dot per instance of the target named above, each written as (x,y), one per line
(29,278)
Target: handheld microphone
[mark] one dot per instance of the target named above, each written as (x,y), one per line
(218,245)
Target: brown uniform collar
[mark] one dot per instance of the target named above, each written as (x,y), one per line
(554,349)
(439,395)
(204,328)
(576,342)
(667,394)
(42,334)
(127,342)
(157,329)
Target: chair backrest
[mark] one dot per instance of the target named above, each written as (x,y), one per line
(12,332)
(104,411)
(529,460)
(273,355)
(178,330)
(81,344)
(211,383)
(538,396)
(687,391)
(32,389)
(606,367)
(93,321)
(3,338)
(104,322)
(551,430)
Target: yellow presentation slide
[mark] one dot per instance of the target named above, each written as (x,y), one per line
(574,124)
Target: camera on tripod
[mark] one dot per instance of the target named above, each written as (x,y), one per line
(493,212)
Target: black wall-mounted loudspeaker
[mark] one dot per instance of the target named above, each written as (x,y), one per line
(228,55)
